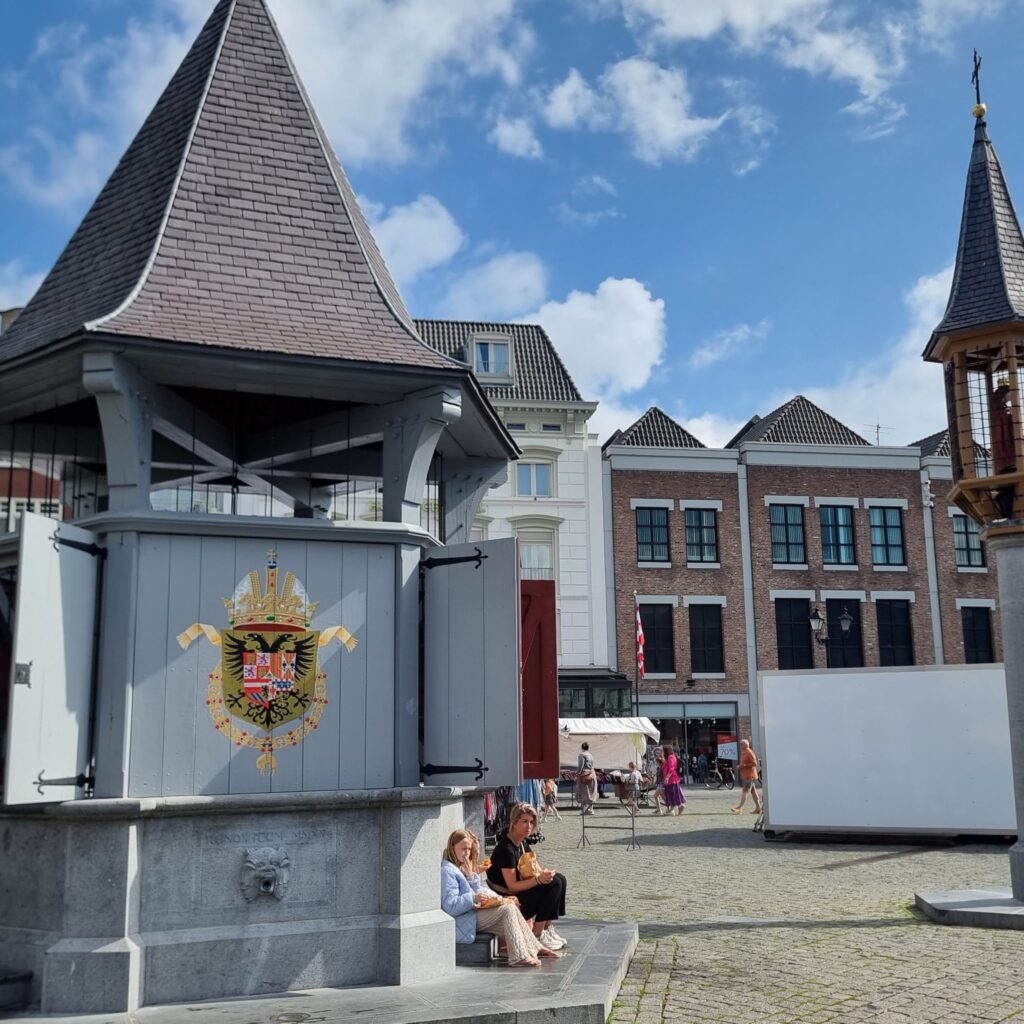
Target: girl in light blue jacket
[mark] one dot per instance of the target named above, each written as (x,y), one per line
(467,899)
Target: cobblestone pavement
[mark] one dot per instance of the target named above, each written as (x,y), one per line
(737,929)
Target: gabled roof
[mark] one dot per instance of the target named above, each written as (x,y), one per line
(988,280)
(537,370)
(655,429)
(934,445)
(937,446)
(799,421)
(228,222)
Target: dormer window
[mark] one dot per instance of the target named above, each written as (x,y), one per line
(491,357)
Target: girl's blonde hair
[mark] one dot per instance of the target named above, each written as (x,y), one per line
(453,840)
(474,862)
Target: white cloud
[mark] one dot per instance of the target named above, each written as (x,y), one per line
(569,214)
(723,344)
(373,68)
(415,238)
(106,86)
(594,184)
(611,415)
(505,286)
(937,20)
(347,52)
(710,428)
(17,285)
(648,103)
(897,389)
(514,135)
(810,35)
(593,331)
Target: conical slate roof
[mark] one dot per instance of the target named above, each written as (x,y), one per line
(656,429)
(988,281)
(799,421)
(229,222)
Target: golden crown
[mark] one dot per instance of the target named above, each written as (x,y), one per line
(252,604)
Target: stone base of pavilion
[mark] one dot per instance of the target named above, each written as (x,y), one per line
(975,908)
(579,988)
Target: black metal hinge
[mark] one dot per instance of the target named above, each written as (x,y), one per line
(456,769)
(90,549)
(81,780)
(433,563)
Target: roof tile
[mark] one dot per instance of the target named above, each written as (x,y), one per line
(799,421)
(538,371)
(988,280)
(656,429)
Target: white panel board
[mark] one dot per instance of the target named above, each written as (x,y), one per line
(472,694)
(918,750)
(54,622)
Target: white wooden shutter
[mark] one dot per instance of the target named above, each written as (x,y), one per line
(51,670)
(471,665)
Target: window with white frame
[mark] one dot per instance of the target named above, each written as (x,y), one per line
(967,542)
(537,554)
(491,357)
(534,479)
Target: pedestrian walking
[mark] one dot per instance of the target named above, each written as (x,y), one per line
(748,778)
(550,793)
(657,791)
(674,797)
(586,780)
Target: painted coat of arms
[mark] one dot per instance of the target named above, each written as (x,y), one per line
(268,691)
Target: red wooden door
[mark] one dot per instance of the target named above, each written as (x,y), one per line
(539,652)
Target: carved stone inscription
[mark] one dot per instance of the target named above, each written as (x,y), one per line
(263,865)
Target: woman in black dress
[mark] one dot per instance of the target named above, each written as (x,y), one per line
(541,897)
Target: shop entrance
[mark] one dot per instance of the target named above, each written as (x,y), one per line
(693,731)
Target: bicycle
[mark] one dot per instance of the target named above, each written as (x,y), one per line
(719,776)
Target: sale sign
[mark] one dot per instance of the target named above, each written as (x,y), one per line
(728,748)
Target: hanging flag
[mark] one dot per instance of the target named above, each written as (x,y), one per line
(639,640)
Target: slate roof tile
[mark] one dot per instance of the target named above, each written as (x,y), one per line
(799,421)
(988,279)
(538,371)
(656,429)
(229,222)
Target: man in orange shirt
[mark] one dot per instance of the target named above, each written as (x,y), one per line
(748,776)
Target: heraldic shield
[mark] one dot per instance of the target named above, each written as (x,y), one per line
(268,691)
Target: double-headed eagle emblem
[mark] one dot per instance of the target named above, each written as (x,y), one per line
(268,676)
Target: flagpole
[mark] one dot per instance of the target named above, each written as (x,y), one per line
(636,655)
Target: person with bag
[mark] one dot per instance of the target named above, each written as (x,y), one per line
(674,798)
(514,871)
(475,907)
(586,780)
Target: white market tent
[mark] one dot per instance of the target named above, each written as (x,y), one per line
(614,742)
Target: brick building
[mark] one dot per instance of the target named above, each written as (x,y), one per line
(798,545)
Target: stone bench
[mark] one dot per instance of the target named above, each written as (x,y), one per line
(478,953)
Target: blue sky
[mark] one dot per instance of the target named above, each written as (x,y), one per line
(711,205)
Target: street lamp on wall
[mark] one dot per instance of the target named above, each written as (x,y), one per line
(819,624)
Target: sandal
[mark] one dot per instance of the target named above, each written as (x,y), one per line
(528,962)
(544,951)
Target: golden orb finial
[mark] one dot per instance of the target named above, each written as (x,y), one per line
(979,110)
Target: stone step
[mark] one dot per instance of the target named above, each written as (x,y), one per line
(479,952)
